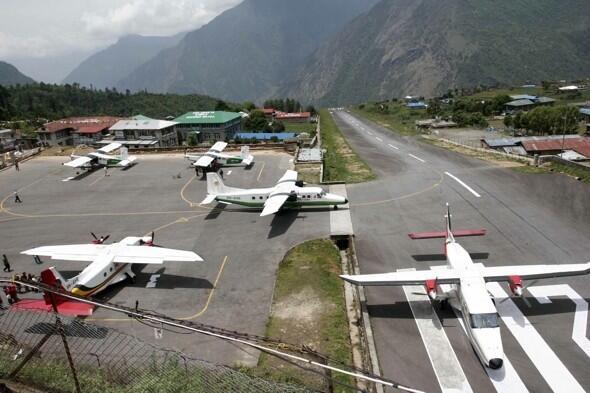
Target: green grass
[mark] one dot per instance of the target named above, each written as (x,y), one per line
(310,128)
(394,116)
(341,163)
(311,268)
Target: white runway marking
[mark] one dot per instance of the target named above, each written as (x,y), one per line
(417,158)
(68,178)
(545,360)
(153,281)
(393,147)
(379,139)
(471,190)
(370,133)
(506,379)
(445,364)
(542,294)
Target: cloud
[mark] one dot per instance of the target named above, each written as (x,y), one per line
(152,17)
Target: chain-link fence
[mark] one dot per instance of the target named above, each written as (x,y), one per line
(36,348)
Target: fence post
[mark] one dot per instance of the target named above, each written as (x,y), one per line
(61,331)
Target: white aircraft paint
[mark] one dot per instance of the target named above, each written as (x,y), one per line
(504,379)
(471,190)
(542,294)
(417,158)
(545,360)
(445,364)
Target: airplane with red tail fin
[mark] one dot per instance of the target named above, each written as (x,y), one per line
(468,292)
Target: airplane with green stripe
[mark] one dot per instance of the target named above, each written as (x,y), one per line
(215,154)
(287,193)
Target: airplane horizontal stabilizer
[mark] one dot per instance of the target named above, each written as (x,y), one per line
(443,234)
(248,160)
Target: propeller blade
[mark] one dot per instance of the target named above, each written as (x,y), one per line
(94,236)
(105,238)
(153,236)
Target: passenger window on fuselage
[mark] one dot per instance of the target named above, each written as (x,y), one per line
(105,274)
(260,197)
(253,197)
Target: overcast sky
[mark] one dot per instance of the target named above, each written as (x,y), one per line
(45,28)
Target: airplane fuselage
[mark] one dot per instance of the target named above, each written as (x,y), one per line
(478,311)
(302,196)
(221,158)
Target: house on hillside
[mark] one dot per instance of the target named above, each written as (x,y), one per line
(297,117)
(416,105)
(525,102)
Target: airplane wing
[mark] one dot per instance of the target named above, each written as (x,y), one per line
(78,162)
(72,252)
(280,193)
(153,255)
(110,147)
(418,277)
(218,147)
(248,160)
(204,161)
(533,272)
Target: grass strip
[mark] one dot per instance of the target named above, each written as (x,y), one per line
(341,163)
(309,308)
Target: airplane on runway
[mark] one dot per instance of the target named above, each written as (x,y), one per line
(288,192)
(222,159)
(110,264)
(101,158)
(468,292)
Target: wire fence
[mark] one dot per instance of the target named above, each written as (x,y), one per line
(39,349)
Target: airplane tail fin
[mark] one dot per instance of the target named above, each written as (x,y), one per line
(215,185)
(245,151)
(449,225)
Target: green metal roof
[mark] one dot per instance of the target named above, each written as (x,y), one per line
(217,117)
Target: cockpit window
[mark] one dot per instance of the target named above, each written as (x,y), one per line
(480,321)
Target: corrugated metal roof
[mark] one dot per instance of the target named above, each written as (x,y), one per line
(265,135)
(580,145)
(523,97)
(585,111)
(501,142)
(150,124)
(519,150)
(212,117)
(77,122)
(522,102)
(91,129)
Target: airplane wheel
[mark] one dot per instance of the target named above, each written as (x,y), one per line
(444,304)
(335,207)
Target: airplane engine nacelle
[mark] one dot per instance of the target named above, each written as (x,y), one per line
(430,286)
(515,283)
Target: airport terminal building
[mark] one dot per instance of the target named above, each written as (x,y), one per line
(142,131)
(209,126)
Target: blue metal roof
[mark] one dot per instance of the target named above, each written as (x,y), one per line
(416,105)
(265,135)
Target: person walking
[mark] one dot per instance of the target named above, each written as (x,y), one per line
(6,263)
(17,198)
(16,165)
(221,173)
(106,170)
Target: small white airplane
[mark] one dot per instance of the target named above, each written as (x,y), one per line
(222,159)
(101,158)
(110,263)
(288,192)
(468,292)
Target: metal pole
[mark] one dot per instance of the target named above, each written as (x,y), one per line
(61,331)
(563,137)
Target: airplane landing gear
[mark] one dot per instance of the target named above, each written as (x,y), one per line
(335,207)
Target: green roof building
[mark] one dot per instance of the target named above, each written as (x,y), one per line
(210,126)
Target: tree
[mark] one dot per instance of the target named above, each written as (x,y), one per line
(517,120)
(221,106)
(256,121)
(249,106)
(311,109)
(508,121)
(433,108)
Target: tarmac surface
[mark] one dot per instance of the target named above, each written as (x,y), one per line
(232,289)
(529,218)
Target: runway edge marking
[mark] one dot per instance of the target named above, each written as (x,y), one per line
(446,366)
(416,157)
(542,293)
(536,348)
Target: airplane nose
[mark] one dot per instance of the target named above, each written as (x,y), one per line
(496,363)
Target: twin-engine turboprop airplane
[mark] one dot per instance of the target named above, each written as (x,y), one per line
(222,159)
(468,291)
(110,263)
(101,158)
(288,192)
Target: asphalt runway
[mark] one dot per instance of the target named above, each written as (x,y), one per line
(232,289)
(530,219)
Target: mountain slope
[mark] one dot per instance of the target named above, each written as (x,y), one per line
(10,75)
(106,67)
(427,46)
(246,51)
